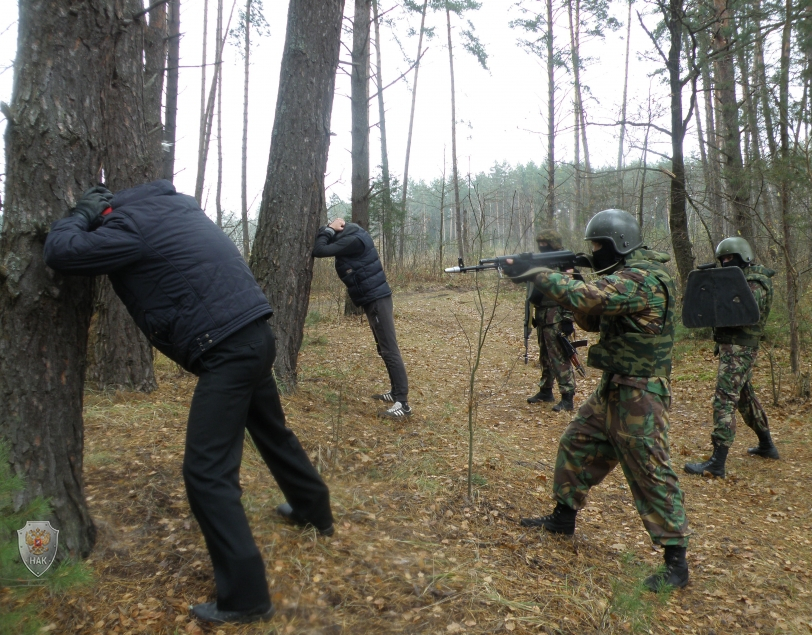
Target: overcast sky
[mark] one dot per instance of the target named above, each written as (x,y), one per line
(500,112)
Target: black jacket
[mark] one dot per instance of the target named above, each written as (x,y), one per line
(180,277)
(357,262)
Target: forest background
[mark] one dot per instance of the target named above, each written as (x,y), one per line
(701,130)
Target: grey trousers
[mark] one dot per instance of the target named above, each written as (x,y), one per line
(382,322)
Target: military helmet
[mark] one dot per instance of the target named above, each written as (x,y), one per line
(735,246)
(618,227)
(552,238)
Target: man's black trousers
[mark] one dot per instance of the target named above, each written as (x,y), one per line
(237,391)
(381,318)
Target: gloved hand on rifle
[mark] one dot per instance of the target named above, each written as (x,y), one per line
(92,204)
(567,327)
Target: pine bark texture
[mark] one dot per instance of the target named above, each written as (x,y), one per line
(171,107)
(246,242)
(122,355)
(550,119)
(462,226)
(678,217)
(405,184)
(359,98)
(735,179)
(54,141)
(293,200)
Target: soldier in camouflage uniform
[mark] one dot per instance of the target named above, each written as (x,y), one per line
(550,320)
(625,421)
(737,348)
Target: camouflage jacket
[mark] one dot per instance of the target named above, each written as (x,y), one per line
(547,310)
(758,278)
(634,311)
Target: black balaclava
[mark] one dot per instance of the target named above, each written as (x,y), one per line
(548,248)
(736,261)
(606,257)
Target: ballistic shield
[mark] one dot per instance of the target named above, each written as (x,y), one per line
(718,297)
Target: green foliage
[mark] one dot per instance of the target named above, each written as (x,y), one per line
(22,618)
(631,603)
(313,318)
(259,26)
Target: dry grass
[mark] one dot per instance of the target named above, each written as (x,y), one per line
(411,554)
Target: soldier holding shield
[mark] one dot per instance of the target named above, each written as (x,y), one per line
(737,348)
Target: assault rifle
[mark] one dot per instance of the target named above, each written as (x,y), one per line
(525,266)
(571,352)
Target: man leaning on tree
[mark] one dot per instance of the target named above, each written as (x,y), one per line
(190,291)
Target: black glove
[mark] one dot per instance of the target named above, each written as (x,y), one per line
(567,327)
(93,202)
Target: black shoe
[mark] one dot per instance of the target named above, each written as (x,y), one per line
(209,612)
(765,448)
(561,521)
(565,403)
(544,394)
(715,466)
(385,396)
(286,512)
(673,575)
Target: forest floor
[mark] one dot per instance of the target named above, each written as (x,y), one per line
(412,553)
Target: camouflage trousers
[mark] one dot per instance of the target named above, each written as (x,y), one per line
(626,425)
(734,391)
(554,366)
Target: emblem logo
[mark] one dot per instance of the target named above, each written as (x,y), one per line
(38,542)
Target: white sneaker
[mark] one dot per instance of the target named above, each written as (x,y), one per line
(387,397)
(398,411)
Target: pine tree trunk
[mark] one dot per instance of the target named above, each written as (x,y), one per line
(171,107)
(678,217)
(462,227)
(122,355)
(735,178)
(786,193)
(246,243)
(201,145)
(219,196)
(293,201)
(550,119)
(386,195)
(405,184)
(154,69)
(714,182)
(44,317)
(576,111)
(621,140)
(359,98)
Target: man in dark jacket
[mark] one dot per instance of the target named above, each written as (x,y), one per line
(190,291)
(359,267)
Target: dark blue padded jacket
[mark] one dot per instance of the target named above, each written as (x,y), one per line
(180,277)
(357,262)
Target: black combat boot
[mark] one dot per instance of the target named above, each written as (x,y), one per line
(765,448)
(714,466)
(675,573)
(561,521)
(565,403)
(544,394)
